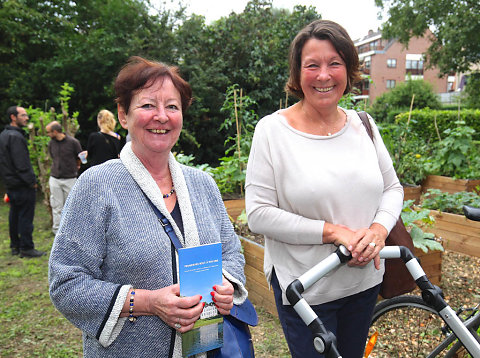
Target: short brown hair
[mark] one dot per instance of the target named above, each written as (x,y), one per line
(139,73)
(339,38)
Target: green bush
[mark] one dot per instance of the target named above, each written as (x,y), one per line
(430,124)
(456,155)
(407,150)
(398,100)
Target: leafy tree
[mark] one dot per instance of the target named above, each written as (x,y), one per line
(249,49)
(472,90)
(455,25)
(399,99)
(46,43)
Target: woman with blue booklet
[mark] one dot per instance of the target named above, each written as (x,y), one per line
(113,266)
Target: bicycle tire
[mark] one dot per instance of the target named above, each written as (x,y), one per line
(407,327)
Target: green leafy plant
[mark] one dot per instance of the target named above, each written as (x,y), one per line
(38,144)
(230,174)
(407,150)
(456,155)
(435,199)
(189,161)
(412,218)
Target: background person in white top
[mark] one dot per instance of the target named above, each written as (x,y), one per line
(316,180)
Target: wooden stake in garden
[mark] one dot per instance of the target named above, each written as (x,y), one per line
(436,126)
(411,107)
(238,128)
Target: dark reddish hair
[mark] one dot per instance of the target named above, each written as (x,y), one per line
(139,73)
(338,37)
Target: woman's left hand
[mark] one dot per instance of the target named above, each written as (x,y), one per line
(223,297)
(370,242)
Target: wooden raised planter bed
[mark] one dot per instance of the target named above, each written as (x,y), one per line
(412,192)
(257,286)
(234,207)
(448,184)
(458,233)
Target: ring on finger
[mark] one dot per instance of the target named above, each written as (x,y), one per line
(178,325)
(372,244)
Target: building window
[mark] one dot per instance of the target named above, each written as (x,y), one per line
(390,83)
(392,63)
(414,64)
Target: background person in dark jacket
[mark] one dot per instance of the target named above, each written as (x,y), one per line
(19,178)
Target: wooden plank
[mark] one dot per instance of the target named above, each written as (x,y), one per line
(234,207)
(458,230)
(252,247)
(448,184)
(429,260)
(458,242)
(454,218)
(255,276)
(253,261)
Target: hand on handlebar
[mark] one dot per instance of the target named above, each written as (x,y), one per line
(368,244)
(364,244)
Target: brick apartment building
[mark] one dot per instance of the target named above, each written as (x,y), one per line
(388,63)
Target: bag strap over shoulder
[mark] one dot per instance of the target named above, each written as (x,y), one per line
(167,226)
(364,117)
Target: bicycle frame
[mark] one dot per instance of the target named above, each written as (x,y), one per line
(324,341)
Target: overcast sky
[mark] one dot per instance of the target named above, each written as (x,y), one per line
(356,16)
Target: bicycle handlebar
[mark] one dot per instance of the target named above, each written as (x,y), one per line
(325,341)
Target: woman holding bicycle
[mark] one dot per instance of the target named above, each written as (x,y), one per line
(316,180)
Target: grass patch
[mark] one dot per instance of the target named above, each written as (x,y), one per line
(267,337)
(31,326)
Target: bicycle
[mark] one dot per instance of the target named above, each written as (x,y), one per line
(451,332)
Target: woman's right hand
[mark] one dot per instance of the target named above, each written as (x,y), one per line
(339,235)
(167,304)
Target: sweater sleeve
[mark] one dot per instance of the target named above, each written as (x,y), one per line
(261,200)
(76,286)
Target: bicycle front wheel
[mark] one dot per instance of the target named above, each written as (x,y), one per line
(407,327)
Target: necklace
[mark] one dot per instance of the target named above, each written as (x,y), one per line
(344,120)
(169,194)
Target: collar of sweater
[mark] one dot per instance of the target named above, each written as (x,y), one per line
(146,182)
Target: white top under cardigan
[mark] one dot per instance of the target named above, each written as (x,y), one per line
(297,181)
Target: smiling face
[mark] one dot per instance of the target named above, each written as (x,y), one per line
(154,119)
(323,74)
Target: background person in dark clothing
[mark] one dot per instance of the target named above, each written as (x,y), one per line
(105,144)
(20,182)
(63,149)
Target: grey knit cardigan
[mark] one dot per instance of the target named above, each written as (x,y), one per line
(110,240)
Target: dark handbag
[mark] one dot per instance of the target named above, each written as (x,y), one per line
(396,280)
(237,333)
(237,339)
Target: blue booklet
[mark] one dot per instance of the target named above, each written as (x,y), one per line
(200,268)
